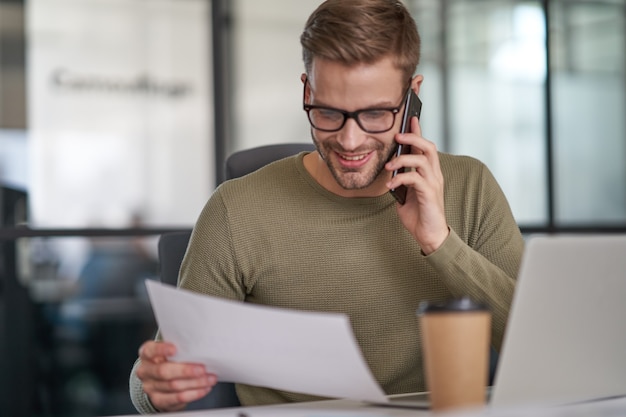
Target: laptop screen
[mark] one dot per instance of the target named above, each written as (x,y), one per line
(566,339)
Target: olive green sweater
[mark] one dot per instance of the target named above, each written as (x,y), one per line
(276,237)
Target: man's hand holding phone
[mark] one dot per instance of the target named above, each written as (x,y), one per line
(423,210)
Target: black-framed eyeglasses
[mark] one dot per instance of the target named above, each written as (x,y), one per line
(330,119)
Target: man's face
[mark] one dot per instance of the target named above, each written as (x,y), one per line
(354,157)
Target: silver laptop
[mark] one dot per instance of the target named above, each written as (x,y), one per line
(566,336)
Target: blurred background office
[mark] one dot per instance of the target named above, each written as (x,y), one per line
(116,117)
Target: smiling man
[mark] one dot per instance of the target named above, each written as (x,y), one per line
(321,232)
(354,149)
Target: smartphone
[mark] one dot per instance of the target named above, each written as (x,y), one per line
(412,107)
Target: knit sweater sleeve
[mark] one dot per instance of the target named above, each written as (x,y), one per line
(482,261)
(137,395)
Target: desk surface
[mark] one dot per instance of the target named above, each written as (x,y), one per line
(348,408)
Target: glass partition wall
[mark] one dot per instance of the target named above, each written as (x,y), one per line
(126,126)
(588,61)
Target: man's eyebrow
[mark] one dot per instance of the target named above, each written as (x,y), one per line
(378,106)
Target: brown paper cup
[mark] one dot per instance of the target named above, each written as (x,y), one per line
(455,338)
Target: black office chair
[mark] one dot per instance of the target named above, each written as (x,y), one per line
(172,247)
(243,162)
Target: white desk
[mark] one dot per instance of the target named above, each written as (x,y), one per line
(347,408)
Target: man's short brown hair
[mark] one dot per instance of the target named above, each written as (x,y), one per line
(361,31)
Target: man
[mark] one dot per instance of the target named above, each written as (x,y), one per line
(321,232)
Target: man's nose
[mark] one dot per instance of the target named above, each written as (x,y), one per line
(351,136)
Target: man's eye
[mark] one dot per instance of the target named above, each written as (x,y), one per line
(329,114)
(374,114)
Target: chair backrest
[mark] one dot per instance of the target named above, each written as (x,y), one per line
(171,249)
(173,245)
(243,162)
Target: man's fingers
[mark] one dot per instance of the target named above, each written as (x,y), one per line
(151,350)
(173,395)
(171,385)
(179,385)
(176,401)
(415,126)
(169,370)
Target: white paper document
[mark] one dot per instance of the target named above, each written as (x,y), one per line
(308,352)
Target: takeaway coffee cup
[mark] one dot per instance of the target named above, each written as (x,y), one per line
(455,339)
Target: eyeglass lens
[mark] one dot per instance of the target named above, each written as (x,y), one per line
(378,120)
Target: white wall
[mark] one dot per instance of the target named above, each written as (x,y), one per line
(268,64)
(120,115)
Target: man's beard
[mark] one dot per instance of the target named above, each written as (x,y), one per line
(354,179)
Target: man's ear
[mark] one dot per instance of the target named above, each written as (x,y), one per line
(416,83)
(307,89)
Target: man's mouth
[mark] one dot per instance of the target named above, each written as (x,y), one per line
(352,157)
(354,161)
